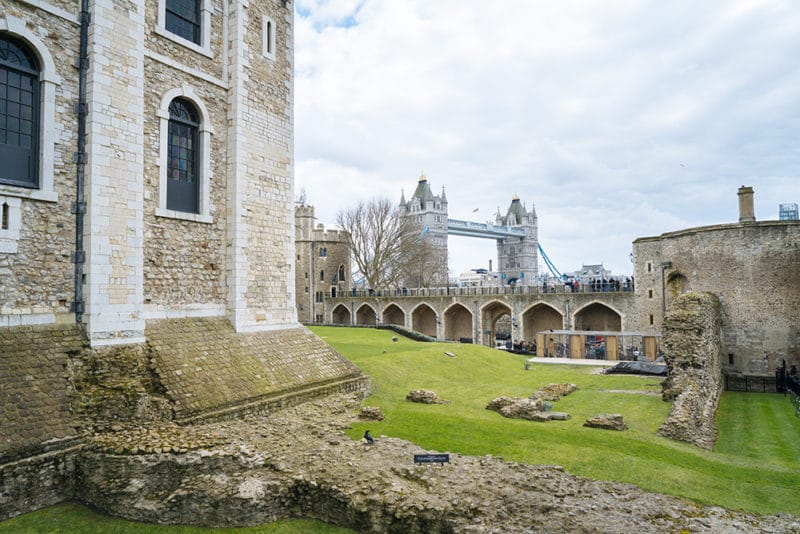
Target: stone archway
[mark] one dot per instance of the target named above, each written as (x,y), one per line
(365,315)
(538,318)
(458,323)
(423,320)
(340,315)
(677,285)
(598,317)
(490,315)
(392,314)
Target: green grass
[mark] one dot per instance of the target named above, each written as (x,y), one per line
(73,519)
(754,467)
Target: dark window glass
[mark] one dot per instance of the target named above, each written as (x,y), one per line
(183,157)
(19,112)
(183,19)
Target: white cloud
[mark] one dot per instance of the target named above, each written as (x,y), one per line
(617,119)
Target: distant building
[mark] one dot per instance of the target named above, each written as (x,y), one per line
(518,257)
(322,265)
(476,278)
(429,213)
(788,212)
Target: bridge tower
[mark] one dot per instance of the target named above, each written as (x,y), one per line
(429,213)
(518,257)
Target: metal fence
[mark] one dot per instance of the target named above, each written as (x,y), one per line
(760,384)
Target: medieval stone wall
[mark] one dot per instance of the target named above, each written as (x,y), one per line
(754,268)
(183,259)
(36,279)
(692,348)
(315,271)
(204,366)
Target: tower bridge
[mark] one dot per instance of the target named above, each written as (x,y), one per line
(472,315)
(516,234)
(483,230)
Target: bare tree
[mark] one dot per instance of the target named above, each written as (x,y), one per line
(388,249)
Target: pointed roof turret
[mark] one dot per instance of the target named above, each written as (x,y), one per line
(516,212)
(402,197)
(444,197)
(423,190)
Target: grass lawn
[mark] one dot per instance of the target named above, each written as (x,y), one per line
(755,465)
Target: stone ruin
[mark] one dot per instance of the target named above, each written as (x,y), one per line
(425,396)
(606,421)
(693,355)
(299,463)
(537,407)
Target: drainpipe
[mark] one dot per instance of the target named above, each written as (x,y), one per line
(79,206)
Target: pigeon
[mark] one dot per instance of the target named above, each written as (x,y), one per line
(368,437)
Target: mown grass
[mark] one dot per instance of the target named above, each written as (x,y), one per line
(755,465)
(72,518)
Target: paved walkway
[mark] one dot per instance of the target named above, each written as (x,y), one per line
(576,361)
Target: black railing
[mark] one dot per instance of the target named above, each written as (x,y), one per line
(760,384)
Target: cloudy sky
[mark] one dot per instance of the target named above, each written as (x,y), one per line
(615,119)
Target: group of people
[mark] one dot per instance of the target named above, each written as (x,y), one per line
(593,285)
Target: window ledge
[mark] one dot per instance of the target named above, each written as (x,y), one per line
(204,50)
(32,194)
(182,215)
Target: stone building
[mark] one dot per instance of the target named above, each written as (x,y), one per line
(323,265)
(429,213)
(754,269)
(146,225)
(518,257)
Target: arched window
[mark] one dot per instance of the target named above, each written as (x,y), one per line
(183,157)
(322,276)
(19,113)
(341,274)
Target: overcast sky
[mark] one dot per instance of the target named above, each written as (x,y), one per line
(615,119)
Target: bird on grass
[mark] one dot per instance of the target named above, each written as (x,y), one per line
(368,437)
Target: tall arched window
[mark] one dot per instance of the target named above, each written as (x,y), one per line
(183,157)
(19,113)
(341,274)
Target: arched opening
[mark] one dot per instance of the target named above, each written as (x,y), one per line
(458,324)
(539,318)
(496,323)
(598,317)
(340,315)
(423,320)
(365,315)
(394,315)
(677,285)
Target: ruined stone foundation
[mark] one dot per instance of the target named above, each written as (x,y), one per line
(693,353)
(55,391)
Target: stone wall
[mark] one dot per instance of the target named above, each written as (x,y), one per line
(36,363)
(315,272)
(207,369)
(754,268)
(694,381)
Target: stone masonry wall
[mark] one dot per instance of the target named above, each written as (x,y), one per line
(754,268)
(35,390)
(183,260)
(205,367)
(693,356)
(38,278)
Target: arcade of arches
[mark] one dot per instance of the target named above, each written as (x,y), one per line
(480,322)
